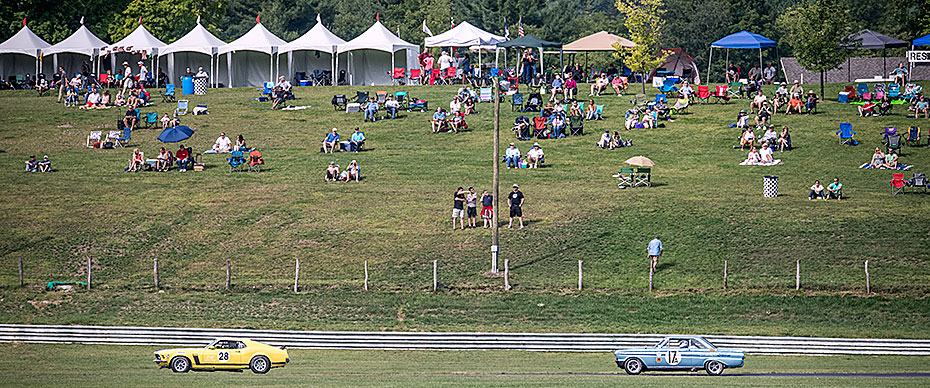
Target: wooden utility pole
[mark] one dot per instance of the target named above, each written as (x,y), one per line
(724,274)
(797,276)
(296,274)
(88,273)
(868,281)
(435,275)
(228,273)
(495,229)
(366,275)
(651,270)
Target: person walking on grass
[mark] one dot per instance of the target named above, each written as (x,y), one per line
(487,208)
(471,202)
(458,207)
(516,205)
(654,251)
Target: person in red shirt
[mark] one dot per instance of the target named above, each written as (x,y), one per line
(183,157)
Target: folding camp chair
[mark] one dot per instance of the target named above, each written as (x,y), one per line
(435,77)
(381,96)
(846,133)
(514,83)
(112,136)
(888,132)
(894,91)
(414,77)
(397,76)
(484,95)
(168,95)
(93,137)
(236,161)
(660,97)
(534,85)
(401,98)
(894,143)
(866,96)
(919,180)
(539,126)
(703,93)
(720,93)
(643,177)
(681,105)
(668,87)
(255,160)
(182,107)
(625,176)
(123,140)
(415,103)
(266,89)
(151,119)
(735,89)
(913,136)
(361,97)
(533,103)
(898,184)
(339,102)
(862,89)
(516,100)
(910,91)
(576,126)
(879,91)
(449,76)
(599,112)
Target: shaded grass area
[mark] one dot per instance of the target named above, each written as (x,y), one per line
(131,366)
(706,208)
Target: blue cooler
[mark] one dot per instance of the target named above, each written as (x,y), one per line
(843,98)
(304,82)
(187,85)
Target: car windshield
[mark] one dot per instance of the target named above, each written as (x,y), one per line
(226,344)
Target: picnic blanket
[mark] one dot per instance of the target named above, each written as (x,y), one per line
(213,151)
(302,107)
(772,163)
(901,167)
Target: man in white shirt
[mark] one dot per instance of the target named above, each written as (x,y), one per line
(392,106)
(605,139)
(201,73)
(284,85)
(757,101)
(223,144)
(534,155)
(455,105)
(445,61)
(143,72)
(512,156)
(127,77)
(765,153)
(769,73)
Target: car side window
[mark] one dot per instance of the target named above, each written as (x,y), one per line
(695,344)
(240,345)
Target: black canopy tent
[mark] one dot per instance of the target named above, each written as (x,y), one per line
(530,41)
(871,40)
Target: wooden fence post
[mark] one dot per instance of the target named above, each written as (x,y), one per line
(506,274)
(228,273)
(651,270)
(724,274)
(580,276)
(155,271)
(20,271)
(435,275)
(797,276)
(296,274)
(366,275)
(88,273)
(868,281)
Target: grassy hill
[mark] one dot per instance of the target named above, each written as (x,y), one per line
(705,207)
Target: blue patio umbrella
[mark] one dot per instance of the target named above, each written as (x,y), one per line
(175,134)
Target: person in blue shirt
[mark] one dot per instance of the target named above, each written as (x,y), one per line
(512,156)
(899,73)
(371,109)
(357,140)
(557,89)
(331,142)
(654,251)
(438,120)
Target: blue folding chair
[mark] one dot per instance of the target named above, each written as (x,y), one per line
(599,111)
(516,100)
(236,161)
(182,107)
(846,133)
(862,89)
(668,86)
(401,98)
(168,96)
(894,91)
(124,140)
(660,97)
(266,90)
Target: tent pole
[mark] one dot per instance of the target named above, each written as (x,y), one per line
(542,66)
(760,58)
(561,64)
(55,61)
(336,68)
(884,69)
(847,69)
(392,60)
(271,66)
(709,58)
(229,67)
(726,62)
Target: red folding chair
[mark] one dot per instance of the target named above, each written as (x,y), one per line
(539,126)
(897,183)
(852,92)
(704,93)
(414,76)
(720,93)
(514,82)
(435,75)
(449,76)
(398,75)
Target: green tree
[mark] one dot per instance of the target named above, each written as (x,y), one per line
(816,30)
(645,22)
(166,20)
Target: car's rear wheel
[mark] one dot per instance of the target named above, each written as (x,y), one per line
(180,364)
(260,364)
(633,366)
(714,368)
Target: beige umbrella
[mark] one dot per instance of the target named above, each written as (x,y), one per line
(640,161)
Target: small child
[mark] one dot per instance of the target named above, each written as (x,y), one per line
(165,121)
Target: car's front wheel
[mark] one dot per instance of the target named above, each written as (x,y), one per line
(180,364)
(633,366)
(714,368)
(260,364)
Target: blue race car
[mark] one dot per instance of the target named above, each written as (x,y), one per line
(681,352)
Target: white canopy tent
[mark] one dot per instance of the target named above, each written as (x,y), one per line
(190,51)
(71,52)
(140,44)
(22,53)
(464,35)
(306,52)
(246,67)
(373,55)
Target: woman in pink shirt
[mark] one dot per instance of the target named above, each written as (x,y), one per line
(428,62)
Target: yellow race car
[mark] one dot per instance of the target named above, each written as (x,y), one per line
(224,354)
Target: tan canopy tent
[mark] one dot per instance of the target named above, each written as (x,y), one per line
(600,41)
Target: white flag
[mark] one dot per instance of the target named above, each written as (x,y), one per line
(426,29)
(198,19)
(318,20)
(82,20)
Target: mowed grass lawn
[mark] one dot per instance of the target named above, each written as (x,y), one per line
(131,366)
(706,208)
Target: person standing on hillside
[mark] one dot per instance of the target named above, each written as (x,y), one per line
(516,205)
(458,207)
(487,208)
(654,251)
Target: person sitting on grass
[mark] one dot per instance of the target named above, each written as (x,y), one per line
(332,172)
(816,191)
(163,160)
(468,106)
(45,165)
(120,99)
(352,172)
(32,165)
(534,156)
(811,102)
(794,105)
(752,157)
(878,158)
(599,85)
(765,113)
(650,118)
(455,105)
(747,138)
(222,144)
(458,122)
(742,119)
(757,101)
(391,106)
(136,161)
(891,160)
(279,96)
(439,120)
(371,109)
(617,141)
(522,127)
(605,140)
(93,100)
(765,154)
(867,109)
(331,142)
(835,190)
(618,84)
(183,158)
(590,111)
(357,140)
(512,156)
(784,139)
(240,144)
(770,136)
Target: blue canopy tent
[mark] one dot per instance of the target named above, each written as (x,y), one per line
(740,40)
(921,41)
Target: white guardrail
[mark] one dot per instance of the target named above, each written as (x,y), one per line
(385,340)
